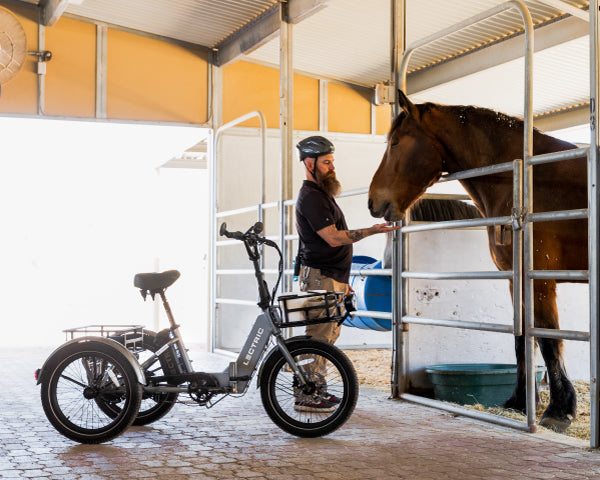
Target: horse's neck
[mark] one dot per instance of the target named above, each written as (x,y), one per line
(469,146)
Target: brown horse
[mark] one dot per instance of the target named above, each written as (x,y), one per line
(428,139)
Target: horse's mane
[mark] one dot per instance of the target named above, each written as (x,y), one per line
(485,118)
(435,210)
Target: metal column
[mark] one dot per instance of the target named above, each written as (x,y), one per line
(286,114)
(400,243)
(593,225)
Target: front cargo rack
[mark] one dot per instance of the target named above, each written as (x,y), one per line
(312,307)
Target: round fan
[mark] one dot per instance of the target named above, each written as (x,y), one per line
(13,46)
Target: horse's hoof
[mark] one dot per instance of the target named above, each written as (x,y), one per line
(556,424)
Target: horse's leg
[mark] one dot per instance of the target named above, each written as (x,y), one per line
(518,399)
(563,400)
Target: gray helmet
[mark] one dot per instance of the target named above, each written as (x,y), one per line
(313,147)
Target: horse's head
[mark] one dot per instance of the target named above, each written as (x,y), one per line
(412,162)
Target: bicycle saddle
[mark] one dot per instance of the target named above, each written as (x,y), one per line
(154,282)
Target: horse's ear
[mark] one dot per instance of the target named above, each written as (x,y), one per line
(406,105)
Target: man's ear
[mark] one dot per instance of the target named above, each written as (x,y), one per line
(309,163)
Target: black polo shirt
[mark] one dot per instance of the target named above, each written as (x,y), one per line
(316,210)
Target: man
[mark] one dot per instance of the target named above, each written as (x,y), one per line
(325,250)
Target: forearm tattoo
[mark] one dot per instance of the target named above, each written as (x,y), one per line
(355,235)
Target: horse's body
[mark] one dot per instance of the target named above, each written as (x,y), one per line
(426,140)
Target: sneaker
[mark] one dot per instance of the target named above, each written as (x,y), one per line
(314,404)
(331,398)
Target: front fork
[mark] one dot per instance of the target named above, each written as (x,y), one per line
(298,372)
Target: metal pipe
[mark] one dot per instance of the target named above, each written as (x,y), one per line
(489,327)
(490,275)
(594,225)
(372,314)
(558,156)
(372,272)
(235,301)
(564,334)
(479,222)
(286,129)
(478,172)
(571,275)
(517,257)
(467,412)
(577,214)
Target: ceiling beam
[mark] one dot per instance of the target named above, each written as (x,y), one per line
(52,10)
(546,36)
(579,115)
(262,29)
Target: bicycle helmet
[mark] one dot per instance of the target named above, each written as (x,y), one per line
(313,147)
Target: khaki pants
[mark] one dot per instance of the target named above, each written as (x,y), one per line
(312,279)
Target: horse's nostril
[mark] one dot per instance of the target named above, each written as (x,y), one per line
(370,204)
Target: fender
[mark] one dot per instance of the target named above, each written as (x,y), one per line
(107,341)
(274,350)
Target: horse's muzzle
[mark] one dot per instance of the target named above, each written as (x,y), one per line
(384,210)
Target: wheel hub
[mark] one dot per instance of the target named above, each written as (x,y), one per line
(90,393)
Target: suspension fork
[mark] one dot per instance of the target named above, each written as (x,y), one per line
(298,371)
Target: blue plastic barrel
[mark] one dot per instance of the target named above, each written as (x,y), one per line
(372,293)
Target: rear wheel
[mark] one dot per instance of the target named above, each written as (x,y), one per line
(320,407)
(81,376)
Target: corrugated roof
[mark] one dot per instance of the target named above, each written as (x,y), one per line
(349,41)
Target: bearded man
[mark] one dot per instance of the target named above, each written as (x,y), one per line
(325,248)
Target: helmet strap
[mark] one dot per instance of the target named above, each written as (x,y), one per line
(313,172)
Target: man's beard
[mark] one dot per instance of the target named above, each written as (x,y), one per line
(329,183)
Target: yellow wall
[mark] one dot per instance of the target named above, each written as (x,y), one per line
(349,110)
(19,95)
(383,119)
(152,80)
(71,74)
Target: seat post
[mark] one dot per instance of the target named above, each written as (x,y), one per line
(167,308)
(176,334)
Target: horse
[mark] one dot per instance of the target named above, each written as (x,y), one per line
(426,140)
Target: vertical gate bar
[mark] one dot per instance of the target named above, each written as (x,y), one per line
(517,237)
(399,241)
(528,204)
(286,77)
(593,225)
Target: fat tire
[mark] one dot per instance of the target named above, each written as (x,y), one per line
(68,389)
(277,389)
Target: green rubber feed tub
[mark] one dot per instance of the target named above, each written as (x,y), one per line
(488,384)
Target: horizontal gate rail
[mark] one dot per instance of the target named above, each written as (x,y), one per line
(478,172)
(564,334)
(558,156)
(580,275)
(451,224)
(436,322)
(489,275)
(577,214)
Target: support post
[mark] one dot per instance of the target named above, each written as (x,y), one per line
(593,225)
(286,78)
(399,242)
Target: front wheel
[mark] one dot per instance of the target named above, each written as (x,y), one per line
(82,376)
(321,406)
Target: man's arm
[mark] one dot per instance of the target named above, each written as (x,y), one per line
(337,238)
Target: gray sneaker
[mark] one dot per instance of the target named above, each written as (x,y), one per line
(314,404)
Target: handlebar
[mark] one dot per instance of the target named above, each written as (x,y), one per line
(252,235)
